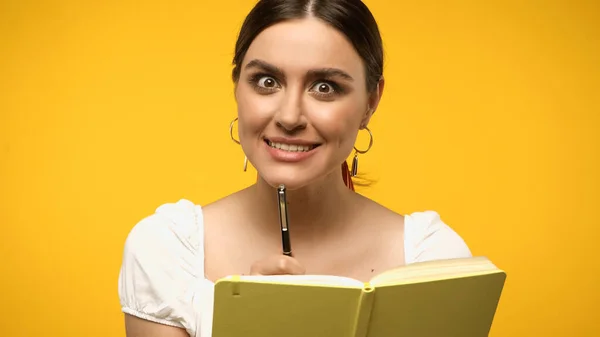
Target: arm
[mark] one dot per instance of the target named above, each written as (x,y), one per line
(137,327)
(159,273)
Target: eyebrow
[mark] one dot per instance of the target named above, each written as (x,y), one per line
(324,72)
(330,72)
(266,67)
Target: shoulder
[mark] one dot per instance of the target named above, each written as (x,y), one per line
(427,238)
(170,223)
(162,263)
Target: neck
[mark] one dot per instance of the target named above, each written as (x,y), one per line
(313,210)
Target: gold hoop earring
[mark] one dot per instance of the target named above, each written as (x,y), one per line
(354,171)
(237,141)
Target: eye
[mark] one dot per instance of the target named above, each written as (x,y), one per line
(324,88)
(264,84)
(267,82)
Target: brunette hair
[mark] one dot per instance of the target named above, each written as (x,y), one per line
(351,17)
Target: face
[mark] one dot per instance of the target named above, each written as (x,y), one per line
(302,99)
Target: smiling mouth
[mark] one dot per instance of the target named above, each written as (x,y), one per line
(291,147)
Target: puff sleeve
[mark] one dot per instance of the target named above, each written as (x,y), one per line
(161,265)
(428,238)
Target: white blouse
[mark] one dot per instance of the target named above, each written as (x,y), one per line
(162,274)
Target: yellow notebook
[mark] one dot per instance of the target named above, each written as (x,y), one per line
(443,298)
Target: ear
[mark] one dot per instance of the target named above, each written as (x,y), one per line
(373,101)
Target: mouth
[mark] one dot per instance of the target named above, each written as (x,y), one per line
(291,147)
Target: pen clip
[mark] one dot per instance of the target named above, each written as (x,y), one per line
(282,208)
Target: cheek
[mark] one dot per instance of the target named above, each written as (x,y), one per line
(337,122)
(254,112)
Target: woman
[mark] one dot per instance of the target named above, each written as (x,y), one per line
(308,78)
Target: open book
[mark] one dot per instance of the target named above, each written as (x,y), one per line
(443,298)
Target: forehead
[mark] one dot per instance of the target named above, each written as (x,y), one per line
(304,44)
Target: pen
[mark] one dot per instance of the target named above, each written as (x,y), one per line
(283,221)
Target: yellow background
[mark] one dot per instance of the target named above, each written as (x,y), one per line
(491,117)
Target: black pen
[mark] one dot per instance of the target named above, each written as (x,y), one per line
(283,221)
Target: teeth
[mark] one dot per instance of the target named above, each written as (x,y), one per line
(291,147)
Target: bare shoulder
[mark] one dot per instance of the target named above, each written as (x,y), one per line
(224,210)
(226,238)
(379,236)
(372,211)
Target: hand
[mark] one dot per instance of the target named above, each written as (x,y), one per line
(277,265)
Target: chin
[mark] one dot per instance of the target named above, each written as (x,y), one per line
(292,178)
(291,182)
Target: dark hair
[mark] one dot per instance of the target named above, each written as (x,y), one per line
(350,17)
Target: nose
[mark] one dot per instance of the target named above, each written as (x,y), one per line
(290,116)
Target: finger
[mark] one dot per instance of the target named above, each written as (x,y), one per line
(289,265)
(277,265)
